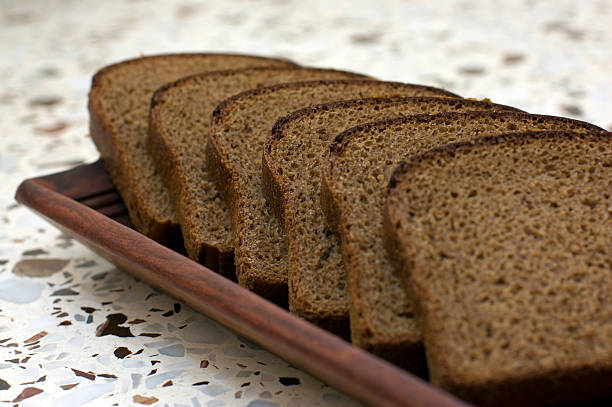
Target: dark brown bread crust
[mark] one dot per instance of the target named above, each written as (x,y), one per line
(97,78)
(167,231)
(578,383)
(219,171)
(219,111)
(278,133)
(272,189)
(344,138)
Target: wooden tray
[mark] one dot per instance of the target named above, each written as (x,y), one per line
(83,203)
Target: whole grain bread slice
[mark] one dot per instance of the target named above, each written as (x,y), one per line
(504,243)
(178,128)
(239,130)
(119,102)
(353,189)
(291,177)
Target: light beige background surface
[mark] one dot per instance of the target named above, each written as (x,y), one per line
(544,57)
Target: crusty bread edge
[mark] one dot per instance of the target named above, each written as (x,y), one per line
(105,70)
(408,355)
(163,155)
(274,190)
(532,389)
(222,175)
(167,232)
(219,258)
(336,221)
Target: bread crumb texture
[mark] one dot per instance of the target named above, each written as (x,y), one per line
(506,247)
(357,176)
(295,154)
(241,126)
(182,119)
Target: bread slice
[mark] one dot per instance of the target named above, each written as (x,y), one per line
(291,177)
(239,129)
(178,129)
(119,103)
(505,246)
(352,195)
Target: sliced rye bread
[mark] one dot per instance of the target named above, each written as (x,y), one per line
(239,129)
(504,244)
(178,128)
(119,103)
(353,189)
(291,176)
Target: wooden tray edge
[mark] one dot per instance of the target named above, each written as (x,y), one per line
(325,356)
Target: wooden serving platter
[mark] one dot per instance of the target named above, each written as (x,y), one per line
(83,203)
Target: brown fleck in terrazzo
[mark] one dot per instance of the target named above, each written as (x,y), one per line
(27,393)
(36,337)
(45,101)
(144,399)
(51,128)
(513,59)
(136,321)
(34,252)
(86,264)
(64,291)
(472,70)
(111,326)
(366,38)
(87,375)
(185,11)
(563,27)
(39,267)
(150,335)
(203,383)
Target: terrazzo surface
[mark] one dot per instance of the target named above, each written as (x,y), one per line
(74,329)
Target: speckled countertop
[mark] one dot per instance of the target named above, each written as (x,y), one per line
(76,330)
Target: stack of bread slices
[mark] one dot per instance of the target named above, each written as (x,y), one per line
(457,238)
